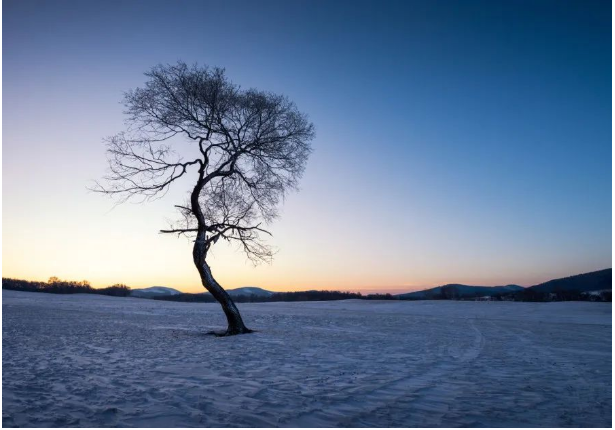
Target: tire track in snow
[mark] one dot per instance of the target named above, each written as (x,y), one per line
(424,397)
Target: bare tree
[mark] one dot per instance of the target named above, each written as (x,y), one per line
(250,148)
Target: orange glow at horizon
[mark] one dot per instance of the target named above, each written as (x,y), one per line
(122,246)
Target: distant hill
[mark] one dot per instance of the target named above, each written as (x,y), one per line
(248,292)
(593,281)
(586,282)
(258,295)
(154,292)
(166,292)
(451,291)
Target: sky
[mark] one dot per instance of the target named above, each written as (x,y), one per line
(457,141)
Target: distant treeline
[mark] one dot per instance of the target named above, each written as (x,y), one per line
(58,286)
(527,295)
(530,295)
(300,296)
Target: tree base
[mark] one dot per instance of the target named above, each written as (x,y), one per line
(230,332)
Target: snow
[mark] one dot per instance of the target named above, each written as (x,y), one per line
(88,360)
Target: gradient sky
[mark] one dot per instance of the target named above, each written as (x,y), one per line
(457,141)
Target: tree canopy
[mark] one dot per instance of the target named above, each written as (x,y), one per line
(252,149)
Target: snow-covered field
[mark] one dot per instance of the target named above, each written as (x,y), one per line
(87,360)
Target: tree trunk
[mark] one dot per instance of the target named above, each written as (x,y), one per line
(235,323)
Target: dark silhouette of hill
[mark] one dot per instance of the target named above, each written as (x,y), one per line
(570,288)
(243,294)
(458,291)
(295,296)
(151,292)
(249,291)
(593,286)
(592,281)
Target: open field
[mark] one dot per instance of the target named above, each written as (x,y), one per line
(88,360)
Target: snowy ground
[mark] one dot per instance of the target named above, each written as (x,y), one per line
(87,360)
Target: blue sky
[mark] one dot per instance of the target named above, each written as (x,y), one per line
(457,141)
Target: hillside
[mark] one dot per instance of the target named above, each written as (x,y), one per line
(249,291)
(154,292)
(593,281)
(451,291)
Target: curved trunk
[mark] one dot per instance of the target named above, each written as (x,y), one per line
(235,323)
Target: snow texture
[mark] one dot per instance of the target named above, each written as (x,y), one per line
(90,360)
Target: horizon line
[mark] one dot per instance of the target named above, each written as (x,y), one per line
(363,290)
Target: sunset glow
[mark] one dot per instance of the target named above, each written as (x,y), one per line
(422,173)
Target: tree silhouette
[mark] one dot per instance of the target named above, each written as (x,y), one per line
(250,147)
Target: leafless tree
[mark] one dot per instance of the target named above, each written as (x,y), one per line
(250,148)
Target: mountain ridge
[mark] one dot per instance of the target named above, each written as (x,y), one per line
(154,291)
(584,282)
(460,291)
(590,281)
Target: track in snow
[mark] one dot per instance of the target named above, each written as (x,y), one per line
(88,360)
